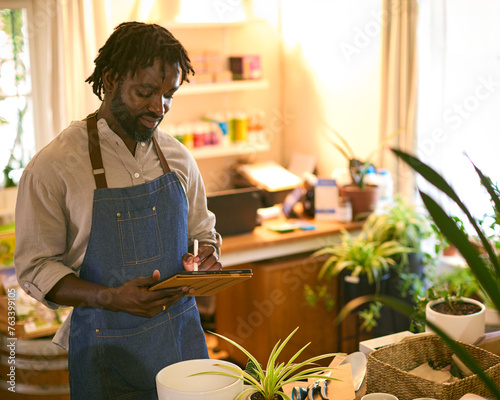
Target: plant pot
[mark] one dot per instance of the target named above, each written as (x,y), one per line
(394,321)
(450,251)
(354,287)
(175,381)
(363,201)
(465,328)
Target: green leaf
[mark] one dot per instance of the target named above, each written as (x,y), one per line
(437,180)
(486,182)
(461,241)
(252,369)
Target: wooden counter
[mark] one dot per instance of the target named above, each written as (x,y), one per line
(264,244)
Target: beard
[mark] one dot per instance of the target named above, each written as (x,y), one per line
(129,123)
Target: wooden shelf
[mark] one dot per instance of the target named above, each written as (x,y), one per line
(232,150)
(234,86)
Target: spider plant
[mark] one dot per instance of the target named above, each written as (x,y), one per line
(269,382)
(361,256)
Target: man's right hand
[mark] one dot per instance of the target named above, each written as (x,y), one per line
(135,298)
(132,297)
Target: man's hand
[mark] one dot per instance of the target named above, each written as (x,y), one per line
(207,259)
(135,298)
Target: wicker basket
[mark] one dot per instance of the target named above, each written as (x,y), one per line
(388,366)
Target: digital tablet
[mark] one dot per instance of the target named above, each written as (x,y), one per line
(205,283)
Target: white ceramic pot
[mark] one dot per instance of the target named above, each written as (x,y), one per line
(176,383)
(379,396)
(465,328)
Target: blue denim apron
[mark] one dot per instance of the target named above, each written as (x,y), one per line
(135,230)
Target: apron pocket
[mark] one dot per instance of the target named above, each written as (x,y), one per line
(139,236)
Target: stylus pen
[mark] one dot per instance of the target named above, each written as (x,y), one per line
(195,251)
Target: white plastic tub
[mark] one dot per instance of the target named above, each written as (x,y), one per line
(176,383)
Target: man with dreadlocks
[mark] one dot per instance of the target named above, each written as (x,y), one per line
(104,210)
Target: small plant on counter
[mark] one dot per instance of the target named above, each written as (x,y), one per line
(448,295)
(357,169)
(267,384)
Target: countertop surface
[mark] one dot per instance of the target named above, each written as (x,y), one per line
(263,236)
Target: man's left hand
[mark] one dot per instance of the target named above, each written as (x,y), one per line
(207,259)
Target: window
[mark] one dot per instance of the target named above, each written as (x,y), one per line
(459,94)
(17,142)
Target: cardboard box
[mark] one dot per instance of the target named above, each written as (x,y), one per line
(245,67)
(367,346)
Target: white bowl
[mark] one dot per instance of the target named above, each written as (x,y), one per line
(175,382)
(379,396)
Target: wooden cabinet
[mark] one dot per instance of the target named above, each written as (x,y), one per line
(267,308)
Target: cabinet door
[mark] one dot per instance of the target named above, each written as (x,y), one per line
(268,307)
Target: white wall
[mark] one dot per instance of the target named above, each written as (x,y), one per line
(322,61)
(332,74)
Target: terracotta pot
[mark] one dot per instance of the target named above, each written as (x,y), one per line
(450,251)
(363,201)
(465,328)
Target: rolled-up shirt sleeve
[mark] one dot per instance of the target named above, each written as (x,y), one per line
(40,238)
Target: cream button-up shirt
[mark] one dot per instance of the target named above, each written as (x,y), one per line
(54,203)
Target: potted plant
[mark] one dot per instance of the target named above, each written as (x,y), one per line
(410,226)
(267,384)
(406,224)
(363,264)
(363,195)
(462,318)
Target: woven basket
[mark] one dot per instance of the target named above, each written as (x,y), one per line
(388,366)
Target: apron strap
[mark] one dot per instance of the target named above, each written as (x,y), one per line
(96,157)
(161,156)
(95,152)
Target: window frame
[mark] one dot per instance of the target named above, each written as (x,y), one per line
(36,97)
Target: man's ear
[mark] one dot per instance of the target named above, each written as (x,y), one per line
(109,81)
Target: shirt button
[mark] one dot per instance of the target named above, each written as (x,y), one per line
(143,144)
(137,175)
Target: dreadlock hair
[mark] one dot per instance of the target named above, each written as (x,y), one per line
(136,45)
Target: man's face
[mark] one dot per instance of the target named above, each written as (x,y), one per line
(140,102)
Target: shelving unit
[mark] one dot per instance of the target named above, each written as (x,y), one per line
(194,94)
(231,150)
(225,87)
